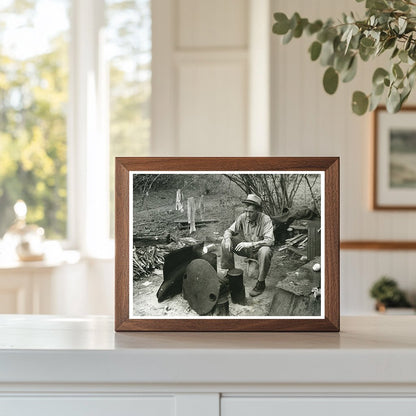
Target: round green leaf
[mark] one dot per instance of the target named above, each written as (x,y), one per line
(330,80)
(379,75)
(366,53)
(315,50)
(359,103)
(314,27)
(281,26)
(367,42)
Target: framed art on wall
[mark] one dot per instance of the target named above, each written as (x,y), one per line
(227,244)
(394,179)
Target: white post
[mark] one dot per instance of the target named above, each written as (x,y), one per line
(88,145)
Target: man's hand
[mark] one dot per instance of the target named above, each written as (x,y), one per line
(243,245)
(228,244)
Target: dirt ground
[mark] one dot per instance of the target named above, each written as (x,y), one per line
(156,215)
(145,301)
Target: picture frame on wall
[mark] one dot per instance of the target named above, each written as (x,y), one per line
(394,159)
(227,244)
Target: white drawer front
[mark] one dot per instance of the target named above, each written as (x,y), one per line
(272,406)
(87,406)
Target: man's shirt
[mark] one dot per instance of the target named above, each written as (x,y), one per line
(252,231)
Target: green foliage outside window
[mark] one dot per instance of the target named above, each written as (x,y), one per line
(33,99)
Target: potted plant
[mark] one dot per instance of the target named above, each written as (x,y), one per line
(387,294)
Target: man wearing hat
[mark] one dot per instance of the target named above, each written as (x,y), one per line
(251,235)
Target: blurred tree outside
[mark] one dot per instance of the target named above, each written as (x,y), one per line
(129,49)
(33,99)
(34,67)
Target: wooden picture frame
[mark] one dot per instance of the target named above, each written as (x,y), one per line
(394,158)
(129,312)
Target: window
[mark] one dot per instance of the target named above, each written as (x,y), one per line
(75,86)
(33,98)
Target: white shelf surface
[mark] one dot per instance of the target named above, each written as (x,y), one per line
(53,349)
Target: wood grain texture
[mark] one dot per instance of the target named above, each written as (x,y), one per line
(330,165)
(378,245)
(121,244)
(376,206)
(332,288)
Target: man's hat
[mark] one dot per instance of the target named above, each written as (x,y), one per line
(253,199)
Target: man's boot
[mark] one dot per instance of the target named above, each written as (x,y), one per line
(258,289)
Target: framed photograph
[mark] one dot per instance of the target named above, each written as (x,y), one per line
(227,244)
(394,180)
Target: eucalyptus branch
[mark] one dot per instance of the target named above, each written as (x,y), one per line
(389,26)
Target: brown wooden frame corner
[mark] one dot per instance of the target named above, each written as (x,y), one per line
(329,165)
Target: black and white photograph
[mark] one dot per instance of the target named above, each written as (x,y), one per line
(226,244)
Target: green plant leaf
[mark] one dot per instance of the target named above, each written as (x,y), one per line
(281,27)
(376,4)
(393,101)
(300,26)
(397,71)
(314,27)
(330,80)
(404,95)
(366,53)
(378,89)
(359,103)
(379,75)
(367,42)
(389,43)
(288,37)
(403,56)
(374,101)
(400,5)
(294,20)
(351,71)
(341,61)
(327,53)
(402,22)
(408,42)
(315,50)
(395,52)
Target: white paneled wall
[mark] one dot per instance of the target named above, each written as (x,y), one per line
(204,72)
(212,103)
